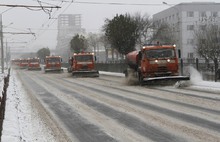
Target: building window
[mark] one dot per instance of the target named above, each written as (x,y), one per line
(214,14)
(190,27)
(190,41)
(202,14)
(190,55)
(190,14)
(202,27)
(215,27)
(203,41)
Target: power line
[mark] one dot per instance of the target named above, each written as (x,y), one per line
(110,3)
(102,3)
(29,6)
(21,33)
(46,9)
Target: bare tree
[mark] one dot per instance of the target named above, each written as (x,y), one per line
(208,42)
(144,26)
(163,33)
(93,41)
(104,40)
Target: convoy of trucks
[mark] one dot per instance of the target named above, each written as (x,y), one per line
(151,63)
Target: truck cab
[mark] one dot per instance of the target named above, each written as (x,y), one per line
(53,64)
(34,64)
(82,64)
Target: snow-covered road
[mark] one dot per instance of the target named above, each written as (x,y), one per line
(57,107)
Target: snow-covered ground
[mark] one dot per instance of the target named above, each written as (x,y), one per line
(22,122)
(197,83)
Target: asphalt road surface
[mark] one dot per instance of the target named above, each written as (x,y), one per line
(108,109)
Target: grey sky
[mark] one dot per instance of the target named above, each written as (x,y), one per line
(93,16)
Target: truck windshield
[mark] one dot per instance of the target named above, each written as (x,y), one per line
(84,58)
(53,59)
(24,61)
(34,60)
(160,53)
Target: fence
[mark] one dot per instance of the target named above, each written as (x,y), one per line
(209,70)
(3,101)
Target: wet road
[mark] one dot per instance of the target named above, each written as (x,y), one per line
(107,109)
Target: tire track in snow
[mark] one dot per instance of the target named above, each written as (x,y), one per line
(184,117)
(130,121)
(146,95)
(79,126)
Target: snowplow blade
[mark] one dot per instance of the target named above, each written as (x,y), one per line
(53,70)
(34,69)
(175,78)
(165,80)
(85,73)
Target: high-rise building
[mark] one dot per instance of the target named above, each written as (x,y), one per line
(68,26)
(185,18)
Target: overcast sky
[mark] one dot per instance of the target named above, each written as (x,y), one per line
(93,15)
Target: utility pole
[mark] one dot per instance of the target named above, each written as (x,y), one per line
(2,49)
(41,7)
(7,54)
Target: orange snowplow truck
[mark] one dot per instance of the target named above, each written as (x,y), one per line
(23,64)
(53,64)
(15,63)
(83,64)
(34,64)
(154,62)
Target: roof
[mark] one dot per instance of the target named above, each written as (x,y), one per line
(157,47)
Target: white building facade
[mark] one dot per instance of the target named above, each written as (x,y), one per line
(185,18)
(68,26)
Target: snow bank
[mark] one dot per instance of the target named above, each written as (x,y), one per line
(21,122)
(197,83)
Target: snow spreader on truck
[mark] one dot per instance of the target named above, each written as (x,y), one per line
(83,65)
(53,64)
(154,63)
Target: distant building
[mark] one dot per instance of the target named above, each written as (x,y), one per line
(68,26)
(185,18)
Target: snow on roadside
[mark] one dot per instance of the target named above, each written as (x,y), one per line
(112,73)
(197,83)
(22,122)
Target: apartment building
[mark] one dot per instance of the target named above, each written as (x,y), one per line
(185,18)
(68,26)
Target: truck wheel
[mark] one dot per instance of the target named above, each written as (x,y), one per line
(126,73)
(140,78)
